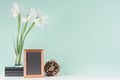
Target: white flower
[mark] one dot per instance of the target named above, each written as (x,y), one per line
(32,15)
(24,19)
(41,21)
(15,10)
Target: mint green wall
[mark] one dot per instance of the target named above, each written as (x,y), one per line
(82,35)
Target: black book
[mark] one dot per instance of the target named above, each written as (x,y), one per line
(13,71)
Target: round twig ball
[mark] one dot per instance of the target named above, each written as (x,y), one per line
(51,68)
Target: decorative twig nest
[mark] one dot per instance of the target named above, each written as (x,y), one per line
(51,68)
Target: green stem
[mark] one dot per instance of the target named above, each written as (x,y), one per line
(18,33)
(32,25)
(21,41)
(24,29)
(19,22)
(21,35)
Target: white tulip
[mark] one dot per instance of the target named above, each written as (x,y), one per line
(41,21)
(15,10)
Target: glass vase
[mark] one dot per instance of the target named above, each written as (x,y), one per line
(18,60)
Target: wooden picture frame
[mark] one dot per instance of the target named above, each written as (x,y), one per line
(33,63)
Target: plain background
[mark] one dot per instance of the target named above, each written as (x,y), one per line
(83,36)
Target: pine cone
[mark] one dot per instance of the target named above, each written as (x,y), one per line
(51,68)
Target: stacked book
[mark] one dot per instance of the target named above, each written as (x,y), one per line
(13,71)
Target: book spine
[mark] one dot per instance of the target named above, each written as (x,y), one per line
(13,73)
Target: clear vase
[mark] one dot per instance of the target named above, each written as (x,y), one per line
(18,60)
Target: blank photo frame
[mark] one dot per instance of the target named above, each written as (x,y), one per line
(33,63)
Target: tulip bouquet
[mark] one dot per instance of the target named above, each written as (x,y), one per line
(25,25)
